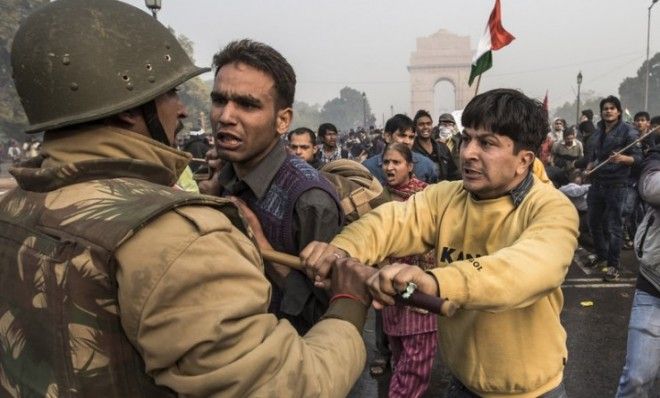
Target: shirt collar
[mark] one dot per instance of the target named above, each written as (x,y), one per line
(518,193)
(92,142)
(328,158)
(257,180)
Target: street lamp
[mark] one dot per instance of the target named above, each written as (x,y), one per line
(154,6)
(364,110)
(579,82)
(648,39)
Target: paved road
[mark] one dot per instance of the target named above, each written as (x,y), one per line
(596,336)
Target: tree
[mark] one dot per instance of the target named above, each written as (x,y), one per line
(195,93)
(347,111)
(305,115)
(12,118)
(568,111)
(631,89)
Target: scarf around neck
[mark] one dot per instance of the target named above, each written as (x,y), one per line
(407,190)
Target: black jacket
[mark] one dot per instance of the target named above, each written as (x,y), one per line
(602,145)
(441,156)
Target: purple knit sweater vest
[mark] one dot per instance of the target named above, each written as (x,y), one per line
(275,208)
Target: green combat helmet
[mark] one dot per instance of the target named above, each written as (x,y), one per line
(76,61)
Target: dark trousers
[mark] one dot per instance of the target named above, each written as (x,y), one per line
(382,344)
(605,204)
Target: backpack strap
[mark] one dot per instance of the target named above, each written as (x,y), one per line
(358,190)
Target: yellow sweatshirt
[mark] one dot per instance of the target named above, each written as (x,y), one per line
(503,265)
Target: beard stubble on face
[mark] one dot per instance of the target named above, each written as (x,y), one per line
(251,157)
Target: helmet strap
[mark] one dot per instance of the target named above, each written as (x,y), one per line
(150,115)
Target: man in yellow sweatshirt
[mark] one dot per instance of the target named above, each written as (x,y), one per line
(504,241)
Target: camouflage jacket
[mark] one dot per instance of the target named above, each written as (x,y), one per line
(112,284)
(59,326)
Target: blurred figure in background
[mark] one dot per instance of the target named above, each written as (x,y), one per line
(302,143)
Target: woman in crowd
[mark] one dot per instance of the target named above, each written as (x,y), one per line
(411,331)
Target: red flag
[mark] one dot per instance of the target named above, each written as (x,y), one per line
(545,104)
(499,37)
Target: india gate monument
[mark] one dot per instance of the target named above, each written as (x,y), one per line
(442,56)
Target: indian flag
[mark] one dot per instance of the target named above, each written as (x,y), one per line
(494,38)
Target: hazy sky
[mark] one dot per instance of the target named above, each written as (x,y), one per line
(367,44)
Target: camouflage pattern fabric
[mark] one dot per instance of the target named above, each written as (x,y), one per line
(60,330)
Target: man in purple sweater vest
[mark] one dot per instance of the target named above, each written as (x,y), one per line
(292,204)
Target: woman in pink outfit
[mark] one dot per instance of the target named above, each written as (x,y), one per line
(410,331)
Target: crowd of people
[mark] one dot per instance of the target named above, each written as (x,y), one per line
(14,152)
(607,198)
(150,289)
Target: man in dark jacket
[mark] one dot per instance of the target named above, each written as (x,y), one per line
(438,152)
(609,183)
(586,127)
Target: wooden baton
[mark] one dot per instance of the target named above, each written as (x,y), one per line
(637,141)
(417,299)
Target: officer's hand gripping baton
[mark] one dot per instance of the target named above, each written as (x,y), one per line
(410,297)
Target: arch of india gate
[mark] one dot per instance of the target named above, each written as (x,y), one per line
(440,57)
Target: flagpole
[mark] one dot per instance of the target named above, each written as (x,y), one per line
(476,90)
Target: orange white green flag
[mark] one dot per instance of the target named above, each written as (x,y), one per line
(494,38)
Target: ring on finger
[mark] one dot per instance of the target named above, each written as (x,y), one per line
(410,289)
